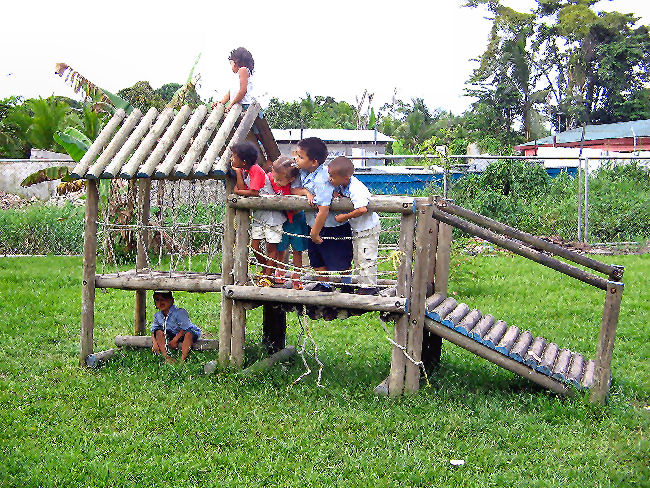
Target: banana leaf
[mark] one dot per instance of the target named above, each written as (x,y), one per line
(118,102)
(46,174)
(74,142)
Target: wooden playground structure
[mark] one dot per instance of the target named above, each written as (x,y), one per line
(193,147)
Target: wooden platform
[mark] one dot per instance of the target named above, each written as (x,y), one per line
(518,351)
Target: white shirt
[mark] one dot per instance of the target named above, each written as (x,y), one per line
(234,89)
(360,196)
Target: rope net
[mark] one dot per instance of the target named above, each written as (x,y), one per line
(183,231)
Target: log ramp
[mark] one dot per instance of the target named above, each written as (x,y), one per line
(196,144)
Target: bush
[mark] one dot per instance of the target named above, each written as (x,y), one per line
(524,196)
(42,229)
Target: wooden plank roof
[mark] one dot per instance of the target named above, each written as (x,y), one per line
(185,144)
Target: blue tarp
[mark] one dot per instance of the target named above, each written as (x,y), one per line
(408,182)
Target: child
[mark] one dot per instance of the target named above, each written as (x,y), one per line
(241,90)
(365,225)
(267,224)
(171,324)
(324,254)
(282,175)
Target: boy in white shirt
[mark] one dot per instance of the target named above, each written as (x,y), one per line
(365,225)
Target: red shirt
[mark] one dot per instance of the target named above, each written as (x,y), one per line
(281,190)
(254,177)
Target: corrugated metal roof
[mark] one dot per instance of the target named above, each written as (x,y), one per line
(619,130)
(330,135)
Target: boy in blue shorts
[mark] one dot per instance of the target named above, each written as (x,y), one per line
(335,253)
(170,326)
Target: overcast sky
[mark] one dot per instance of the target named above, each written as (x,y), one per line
(337,48)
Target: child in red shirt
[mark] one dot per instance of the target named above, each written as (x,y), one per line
(252,181)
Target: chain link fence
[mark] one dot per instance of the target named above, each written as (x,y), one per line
(594,200)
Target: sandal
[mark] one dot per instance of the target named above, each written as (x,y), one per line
(297,285)
(264,283)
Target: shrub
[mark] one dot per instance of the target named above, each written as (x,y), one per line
(41,229)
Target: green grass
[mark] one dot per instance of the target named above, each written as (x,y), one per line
(137,422)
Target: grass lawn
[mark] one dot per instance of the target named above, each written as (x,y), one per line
(138,422)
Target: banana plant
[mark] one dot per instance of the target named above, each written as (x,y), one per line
(102,99)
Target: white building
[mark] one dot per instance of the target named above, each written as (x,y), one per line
(340,142)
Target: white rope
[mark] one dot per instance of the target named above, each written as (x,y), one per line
(306,332)
(419,364)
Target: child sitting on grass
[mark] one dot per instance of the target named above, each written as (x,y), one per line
(283,174)
(252,181)
(170,326)
(365,225)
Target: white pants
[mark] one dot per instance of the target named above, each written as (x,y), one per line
(365,245)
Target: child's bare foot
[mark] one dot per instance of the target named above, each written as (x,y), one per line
(170,360)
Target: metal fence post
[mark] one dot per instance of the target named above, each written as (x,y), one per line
(579,199)
(586,232)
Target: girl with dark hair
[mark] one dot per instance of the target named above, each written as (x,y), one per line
(242,65)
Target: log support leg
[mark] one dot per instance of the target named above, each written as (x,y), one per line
(227,250)
(439,254)
(274,327)
(605,347)
(240,277)
(394,383)
(144,201)
(89,269)
(418,298)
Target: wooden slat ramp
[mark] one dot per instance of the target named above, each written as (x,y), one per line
(518,351)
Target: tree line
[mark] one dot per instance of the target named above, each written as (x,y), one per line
(561,65)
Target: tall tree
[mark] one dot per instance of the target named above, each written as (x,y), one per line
(583,66)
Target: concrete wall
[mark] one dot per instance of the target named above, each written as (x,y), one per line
(13,172)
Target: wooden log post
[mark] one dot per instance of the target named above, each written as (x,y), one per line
(144,203)
(265,364)
(395,383)
(240,277)
(432,343)
(227,249)
(89,268)
(274,327)
(443,257)
(418,298)
(605,347)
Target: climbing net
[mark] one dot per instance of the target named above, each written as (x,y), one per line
(184,227)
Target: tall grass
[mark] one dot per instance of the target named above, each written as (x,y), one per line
(524,196)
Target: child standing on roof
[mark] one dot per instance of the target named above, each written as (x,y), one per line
(170,326)
(252,181)
(365,225)
(283,174)
(241,88)
(334,253)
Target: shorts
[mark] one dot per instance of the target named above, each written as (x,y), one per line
(299,227)
(170,335)
(272,234)
(333,254)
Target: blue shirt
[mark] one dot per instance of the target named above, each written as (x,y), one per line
(177,319)
(318,183)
